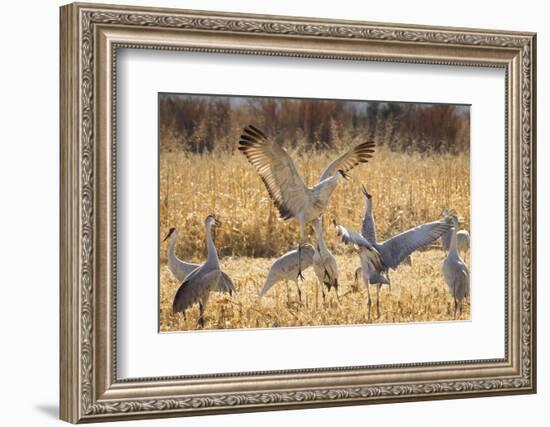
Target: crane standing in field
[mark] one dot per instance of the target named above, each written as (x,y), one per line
(456,272)
(324,262)
(286,268)
(179,268)
(394,250)
(286,187)
(206,278)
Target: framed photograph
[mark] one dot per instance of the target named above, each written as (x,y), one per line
(266,213)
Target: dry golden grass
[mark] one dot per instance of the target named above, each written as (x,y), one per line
(407,189)
(418,294)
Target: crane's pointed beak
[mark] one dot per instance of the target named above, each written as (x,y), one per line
(168,235)
(365,192)
(346,176)
(217,222)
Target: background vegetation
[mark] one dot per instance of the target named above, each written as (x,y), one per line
(200,124)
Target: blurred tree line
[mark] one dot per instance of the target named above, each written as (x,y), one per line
(200,123)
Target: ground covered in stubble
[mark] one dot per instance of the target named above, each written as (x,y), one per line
(418,294)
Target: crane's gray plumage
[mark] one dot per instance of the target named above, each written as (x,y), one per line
(456,272)
(462,240)
(362,245)
(324,263)
(206,278)
(292,197)
(286,268)
(179,268)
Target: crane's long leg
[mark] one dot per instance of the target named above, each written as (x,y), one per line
(300,275)
(356,279)
(369,300)
(302,238)
(287,293)
(378,300)
(299,290)
(454,315)
(201,315)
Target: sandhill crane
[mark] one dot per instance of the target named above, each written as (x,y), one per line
(200,282)
(284,184)
(456,272)
(396,249)
(285,268)
(324,262)
(179,268)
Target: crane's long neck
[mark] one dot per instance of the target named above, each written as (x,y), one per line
(453,247)
(212,253)
(172,247)
(370,216)
(318,227)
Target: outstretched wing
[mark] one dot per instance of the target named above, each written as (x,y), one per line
(283,182)
(396,249)
(361,153)
(350,237)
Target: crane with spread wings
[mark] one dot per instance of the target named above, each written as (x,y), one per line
(292,197)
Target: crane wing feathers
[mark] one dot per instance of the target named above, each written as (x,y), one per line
(350,237)
(399,247)
(198,285)
(360,153)
(307,255)
(331,269)
(289,261)
(287,266)
(226,284)
(277,171)
(457,277)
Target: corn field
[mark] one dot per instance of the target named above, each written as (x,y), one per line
(408,188)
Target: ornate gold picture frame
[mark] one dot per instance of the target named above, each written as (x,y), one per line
(91,36)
